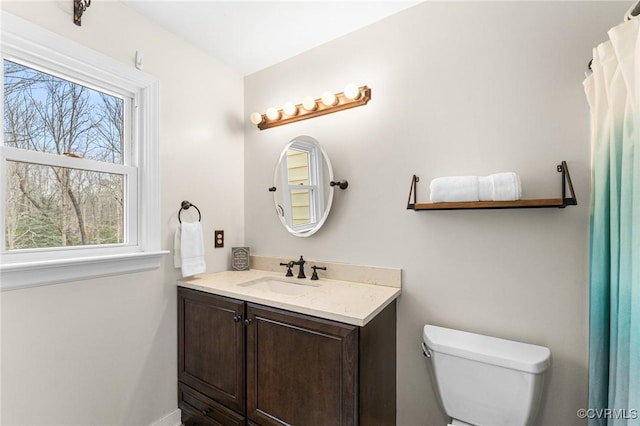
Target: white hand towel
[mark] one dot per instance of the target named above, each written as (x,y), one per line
(454,188)
(177,253)
(192,249)
(506,186)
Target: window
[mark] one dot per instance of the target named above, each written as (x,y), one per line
(302,173)
(53,199)
(79,162)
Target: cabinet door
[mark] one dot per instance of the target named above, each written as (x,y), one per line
(301,370)
(211,348)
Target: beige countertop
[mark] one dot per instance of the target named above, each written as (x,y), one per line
(344,301)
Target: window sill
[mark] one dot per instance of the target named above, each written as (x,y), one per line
(33,274)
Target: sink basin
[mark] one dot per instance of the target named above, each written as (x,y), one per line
(274,285)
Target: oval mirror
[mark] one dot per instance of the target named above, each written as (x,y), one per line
(301,190)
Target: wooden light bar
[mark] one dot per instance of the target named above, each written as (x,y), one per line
(342,103)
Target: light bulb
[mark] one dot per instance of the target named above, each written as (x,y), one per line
(351,91)
(256,118)
(309,103)
(290,109)
(272,113)
(329,99)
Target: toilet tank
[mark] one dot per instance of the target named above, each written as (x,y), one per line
(484,380)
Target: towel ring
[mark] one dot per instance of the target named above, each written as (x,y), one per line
(185,206)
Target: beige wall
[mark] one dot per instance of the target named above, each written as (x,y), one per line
(104,352)
(457,88)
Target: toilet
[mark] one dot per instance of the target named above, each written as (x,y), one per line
(485,381)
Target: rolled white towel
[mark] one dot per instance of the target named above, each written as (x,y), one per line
(485,188)
(506,186)
(454,188)
(496,187)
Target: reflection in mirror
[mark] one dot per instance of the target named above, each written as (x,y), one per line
(303,196)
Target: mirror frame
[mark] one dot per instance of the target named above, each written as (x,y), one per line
(277,183)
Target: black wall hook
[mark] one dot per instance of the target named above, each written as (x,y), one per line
(185,205)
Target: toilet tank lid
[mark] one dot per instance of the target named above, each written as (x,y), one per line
(490,350)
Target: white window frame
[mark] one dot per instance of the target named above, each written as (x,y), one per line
(26,43)
(316,199)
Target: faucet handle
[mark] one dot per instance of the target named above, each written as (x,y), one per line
(288,265)
(314,276)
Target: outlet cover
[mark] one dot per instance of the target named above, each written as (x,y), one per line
(218,239)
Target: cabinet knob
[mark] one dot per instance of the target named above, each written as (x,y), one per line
(247,321)
(237,318)
(206,412)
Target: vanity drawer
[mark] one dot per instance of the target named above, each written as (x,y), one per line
(197,409)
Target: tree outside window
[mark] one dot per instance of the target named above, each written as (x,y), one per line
(52,206)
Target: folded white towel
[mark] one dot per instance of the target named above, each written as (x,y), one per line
(192,249)
(506,186)
(495,187)
(454,188)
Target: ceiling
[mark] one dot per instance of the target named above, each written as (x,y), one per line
(249,36)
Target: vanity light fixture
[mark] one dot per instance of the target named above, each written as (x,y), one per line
(290,109)
(351,91)
(329,99)
(273,114)
(309,103)
(256,118)
(330,102)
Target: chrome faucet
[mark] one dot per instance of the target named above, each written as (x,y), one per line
(301,263)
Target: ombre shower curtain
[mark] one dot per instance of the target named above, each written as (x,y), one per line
(613,93)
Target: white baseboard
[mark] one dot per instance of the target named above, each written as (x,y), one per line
(171,419)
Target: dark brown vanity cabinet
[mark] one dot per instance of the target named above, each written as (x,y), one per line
(294,369)
(211,358)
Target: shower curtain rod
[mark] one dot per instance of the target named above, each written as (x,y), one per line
(633,11)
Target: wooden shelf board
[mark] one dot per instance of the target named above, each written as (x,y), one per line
(540,203)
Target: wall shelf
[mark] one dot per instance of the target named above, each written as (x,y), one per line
(560,202)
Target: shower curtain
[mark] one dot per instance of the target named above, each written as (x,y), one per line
(613,93)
